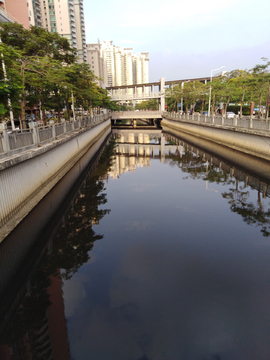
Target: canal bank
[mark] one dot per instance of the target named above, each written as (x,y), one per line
(27,177)
(255,143)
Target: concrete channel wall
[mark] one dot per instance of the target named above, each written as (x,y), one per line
(27,177)
(253,142)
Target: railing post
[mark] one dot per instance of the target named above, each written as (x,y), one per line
(235,120)
(250,123)
(6,145)
(222,120)
(65,126)
(53,131)
(34,127)
(199,117)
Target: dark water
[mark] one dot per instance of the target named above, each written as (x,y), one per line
(163,254)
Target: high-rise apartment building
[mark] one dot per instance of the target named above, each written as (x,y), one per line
(63,16)
(119,65)
(15,11)
(67,18)
(95,61)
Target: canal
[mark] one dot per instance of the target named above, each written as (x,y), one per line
(155,248)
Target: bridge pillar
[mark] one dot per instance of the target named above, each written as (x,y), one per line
(162,148)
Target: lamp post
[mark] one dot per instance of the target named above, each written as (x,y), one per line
(182,87)
(209,104)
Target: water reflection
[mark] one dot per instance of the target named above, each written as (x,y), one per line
(176,275)
(38,328)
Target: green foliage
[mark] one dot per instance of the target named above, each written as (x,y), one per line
(151,104)
(236,109)
(41,71)
(237,86)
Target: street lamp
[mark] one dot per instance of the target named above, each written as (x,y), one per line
(209,104)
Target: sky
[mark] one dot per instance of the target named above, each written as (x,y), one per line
(184,38)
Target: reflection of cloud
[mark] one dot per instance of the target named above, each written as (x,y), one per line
(166,303)
(74,292)
(137,225)
(141,187)
(185,209)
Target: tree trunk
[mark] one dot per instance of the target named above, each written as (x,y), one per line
(58,108)
(242,101)
(227,103)
(43,110)
(260,105)
(213,105)
(68,109)
(267,104)
(202,106)
(187,108)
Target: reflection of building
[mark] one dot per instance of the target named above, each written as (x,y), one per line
(135,149)
(49,339)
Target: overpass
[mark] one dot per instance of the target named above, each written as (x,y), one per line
(147,91)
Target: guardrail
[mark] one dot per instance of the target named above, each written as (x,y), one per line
(235,122)
(13,142)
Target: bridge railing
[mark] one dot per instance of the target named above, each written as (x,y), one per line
(146,94)
(136,113)
(236,122)
(13,142)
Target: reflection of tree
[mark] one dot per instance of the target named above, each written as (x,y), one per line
(253,214)
(71,249)
(239,199)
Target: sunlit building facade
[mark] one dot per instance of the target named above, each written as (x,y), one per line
(119,65)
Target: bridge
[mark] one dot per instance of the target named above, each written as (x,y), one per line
(147,91)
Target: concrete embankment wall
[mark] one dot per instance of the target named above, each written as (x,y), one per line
(26,178)
(249,142)
(232,159)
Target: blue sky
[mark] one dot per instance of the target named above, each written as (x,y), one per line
(184,38)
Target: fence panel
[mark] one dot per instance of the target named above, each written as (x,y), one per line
(19,140)
(69,126)
(45,134)
(59,129)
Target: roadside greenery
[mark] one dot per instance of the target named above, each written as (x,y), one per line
(151,104)
(42,72)
(239,87)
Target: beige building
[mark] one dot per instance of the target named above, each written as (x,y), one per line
(118,66)
(67,18)
(95,61)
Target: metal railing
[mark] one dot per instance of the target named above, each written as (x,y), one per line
(13,142)
(235,122)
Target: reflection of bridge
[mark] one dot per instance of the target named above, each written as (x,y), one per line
(142,143)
